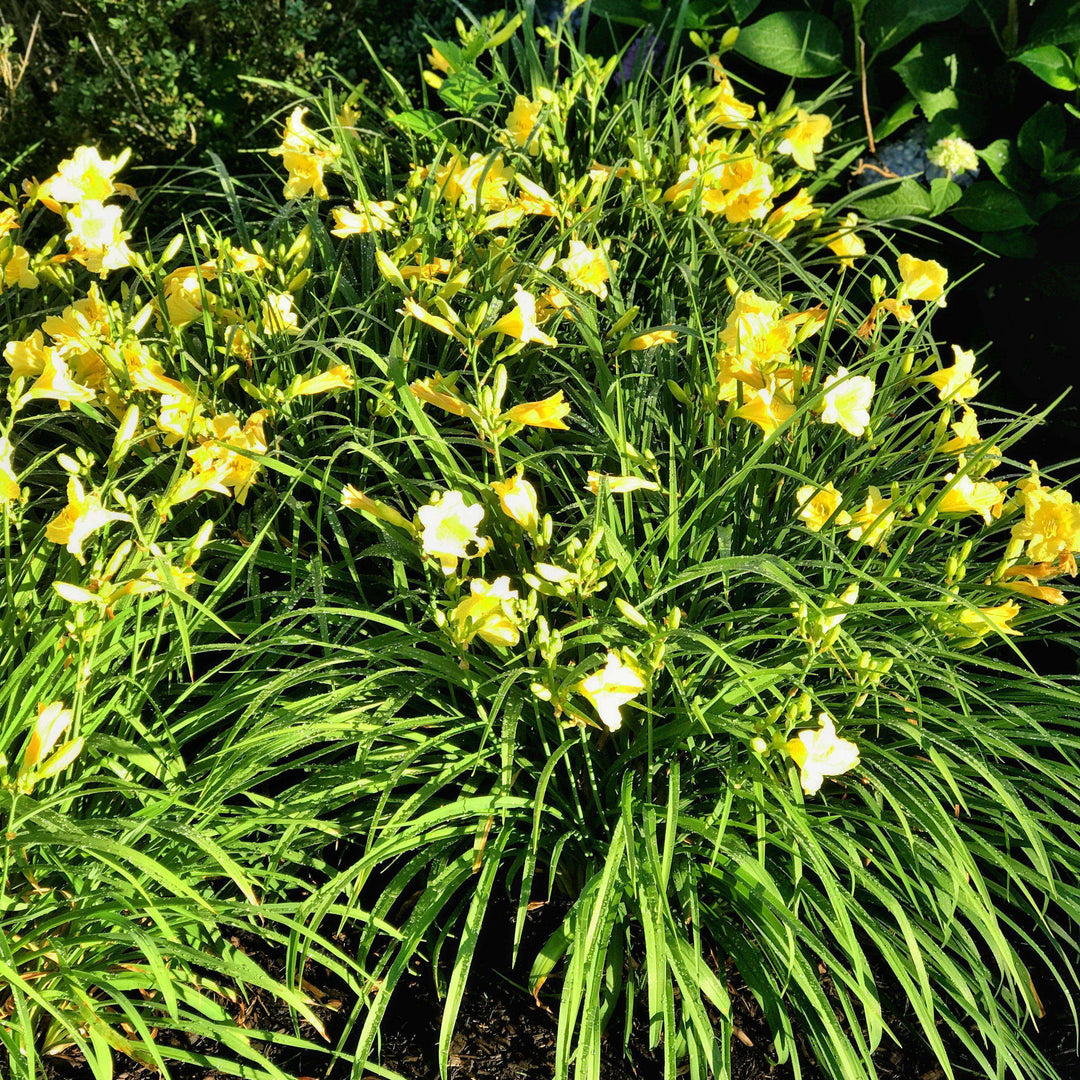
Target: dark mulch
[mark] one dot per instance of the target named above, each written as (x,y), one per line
(504,1034)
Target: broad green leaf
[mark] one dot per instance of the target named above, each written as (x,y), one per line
(796,43)
(1041,137)
(991,207)
(423,122)
(940,75)
(1050,64)
(1001,158)
(1057,22)
(909,198)
(887,22)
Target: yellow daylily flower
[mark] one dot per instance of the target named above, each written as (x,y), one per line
(522,124)
(742,190)
(618,485)
(520,323)
(651,338)
(96,238)
(534,199)
(485,613)
(847,400)
(484,178)
(443,394)
(305,157)
(9,482)
(180,417)
(548,413)
(587,268)
(767,409)
(279,315)
(921,279)
(339,377)
(52,721)
(517,497)
(82,516)
(27,357)
(956,383)
(436,322)
(806,138)
(186,294)
(146,373)
(55,383)
(449,530)
(724,108)
(611,687)
(965,433)
(968,496)
(219,459)
(821,752)
(846,243)
(366,217)
(815,506)
(981,621)
(1051,525)
(17,270)
(85,176)
(873,521)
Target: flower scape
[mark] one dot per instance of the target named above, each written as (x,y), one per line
(498,513)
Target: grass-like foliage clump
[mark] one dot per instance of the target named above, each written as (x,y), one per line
(580,514)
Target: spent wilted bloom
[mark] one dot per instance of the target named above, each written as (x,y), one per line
(821,752)
(847,401)
(611,687)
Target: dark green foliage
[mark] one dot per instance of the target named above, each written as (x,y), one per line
(171,77)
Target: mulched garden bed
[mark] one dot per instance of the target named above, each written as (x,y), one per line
(504,1034)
